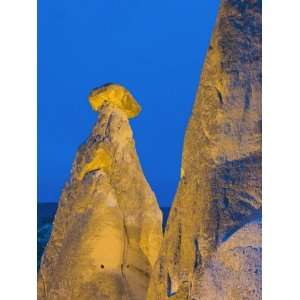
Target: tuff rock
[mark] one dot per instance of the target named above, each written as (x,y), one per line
(234,271)
(220,186)
(108,227)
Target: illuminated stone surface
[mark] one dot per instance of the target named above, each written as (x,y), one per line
(117,96)
(108,227)
(220,185)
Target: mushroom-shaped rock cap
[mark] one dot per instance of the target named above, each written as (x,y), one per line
(116,95)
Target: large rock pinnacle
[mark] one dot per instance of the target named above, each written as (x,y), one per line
(108,228)
(220,186)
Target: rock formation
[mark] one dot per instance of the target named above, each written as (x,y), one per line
(108,227)
(220,185)
(234,271)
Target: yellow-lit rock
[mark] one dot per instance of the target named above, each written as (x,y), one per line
(117,96)
(220,185)
(108,227)
(101,160)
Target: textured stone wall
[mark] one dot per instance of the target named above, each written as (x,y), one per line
(220,186)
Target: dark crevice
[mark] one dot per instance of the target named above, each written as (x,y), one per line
(178,244)
(197,254)
(96,139)
(124,259)
(108,125)
(217,225)
(92,172)
(225,202)
(220,97)
(247,99)
(170,292)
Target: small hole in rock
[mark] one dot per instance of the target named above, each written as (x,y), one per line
(102,266)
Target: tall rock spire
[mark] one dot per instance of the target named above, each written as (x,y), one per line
(220,186)
(108,227)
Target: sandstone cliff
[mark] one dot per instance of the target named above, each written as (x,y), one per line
(220,186)
(108,228)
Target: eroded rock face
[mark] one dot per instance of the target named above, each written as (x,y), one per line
(234,271)
(108,227)
(220,186)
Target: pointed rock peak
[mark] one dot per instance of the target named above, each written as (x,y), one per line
(107,232)
(116,95)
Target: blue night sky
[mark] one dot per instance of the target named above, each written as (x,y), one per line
(154,48)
